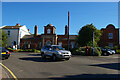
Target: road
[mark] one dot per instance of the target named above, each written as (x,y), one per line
(30,65)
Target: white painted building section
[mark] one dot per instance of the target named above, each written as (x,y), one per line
(119,36)
(15,34)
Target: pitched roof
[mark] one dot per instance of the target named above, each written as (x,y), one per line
(31,37)
(64,37)
(11,27)
(49,25)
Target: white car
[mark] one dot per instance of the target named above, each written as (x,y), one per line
(55,52)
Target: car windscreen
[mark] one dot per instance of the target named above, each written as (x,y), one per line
(57,48)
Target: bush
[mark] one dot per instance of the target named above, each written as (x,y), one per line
(107,47)
(115,47)
(97,51)
(118,51)
(78,51)
(10,49)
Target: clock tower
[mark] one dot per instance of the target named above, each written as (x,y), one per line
(49,29)
(49,37)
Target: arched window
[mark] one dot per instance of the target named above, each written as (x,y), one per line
(48,31)
(48,42)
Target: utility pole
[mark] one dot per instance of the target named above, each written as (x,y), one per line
(93,43)
(68,29)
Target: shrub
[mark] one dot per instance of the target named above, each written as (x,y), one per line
(107,47)
(97,51)
(118,51)
(10,49)
(34,50)
(78,51)
(115,47)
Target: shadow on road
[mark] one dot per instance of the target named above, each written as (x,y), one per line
(115,66)
(77,77)
(89,77)
(39,59)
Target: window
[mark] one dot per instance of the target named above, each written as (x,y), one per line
(9,33)
(48,42)
(110,45)
(60,43)
(110,35)
(48,31)
(72,44)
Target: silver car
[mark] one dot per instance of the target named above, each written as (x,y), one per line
(55,52)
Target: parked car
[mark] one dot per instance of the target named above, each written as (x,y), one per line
(55,52)
(5,53)
(106,51)
(113,51)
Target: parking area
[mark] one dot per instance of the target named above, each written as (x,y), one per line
(31,65)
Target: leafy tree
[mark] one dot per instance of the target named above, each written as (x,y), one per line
(85,35)
(3,38)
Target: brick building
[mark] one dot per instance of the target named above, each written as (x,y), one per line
(49,37)
(110,36)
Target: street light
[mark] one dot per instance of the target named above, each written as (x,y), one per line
(93,43)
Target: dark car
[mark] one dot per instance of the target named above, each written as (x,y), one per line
(5,53)
(106,52)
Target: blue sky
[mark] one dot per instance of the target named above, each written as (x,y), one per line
(42,13)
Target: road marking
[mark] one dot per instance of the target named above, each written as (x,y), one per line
(9,71)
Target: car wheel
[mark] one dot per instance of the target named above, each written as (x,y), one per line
(67,58)
(105,54)
(6,58)
(43,56)
(54,58)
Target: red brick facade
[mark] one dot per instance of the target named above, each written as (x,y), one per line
(49,37)
(110,36)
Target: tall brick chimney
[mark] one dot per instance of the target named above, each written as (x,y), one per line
(66,30)
(35,32)
(17,24)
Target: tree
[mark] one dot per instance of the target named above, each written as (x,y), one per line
(85,35)
(3,38)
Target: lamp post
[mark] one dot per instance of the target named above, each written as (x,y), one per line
(68,29)
(93,43)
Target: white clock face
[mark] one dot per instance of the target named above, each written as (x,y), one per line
(48,31)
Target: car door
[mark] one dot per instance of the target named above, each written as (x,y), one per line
(50,51)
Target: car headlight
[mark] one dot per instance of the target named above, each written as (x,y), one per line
(70,53)
(59,52)
(109,52)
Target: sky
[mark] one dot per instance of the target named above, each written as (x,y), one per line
(56,13)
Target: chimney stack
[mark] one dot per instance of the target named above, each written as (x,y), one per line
(66,30)
(17,24)
(28,30)
(35,32)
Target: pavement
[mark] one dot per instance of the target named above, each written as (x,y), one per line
(31,65)
(3,74)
